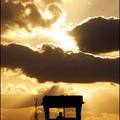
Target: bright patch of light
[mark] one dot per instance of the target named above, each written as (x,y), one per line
(55,35)
(47,15)
(60,21)
(27,11)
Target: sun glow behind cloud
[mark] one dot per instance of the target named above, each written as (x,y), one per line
(37,36)
(16,84)
(56,33)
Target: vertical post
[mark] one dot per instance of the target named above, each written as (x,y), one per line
(78,112)
(36,107)
(64,112)
(36,102)
(78,117)
(46,110)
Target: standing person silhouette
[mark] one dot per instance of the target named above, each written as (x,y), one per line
(60,117)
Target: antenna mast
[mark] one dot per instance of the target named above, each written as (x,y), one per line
(36,108)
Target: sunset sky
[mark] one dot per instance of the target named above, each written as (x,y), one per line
(60,47)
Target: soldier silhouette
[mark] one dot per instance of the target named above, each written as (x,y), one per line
(60,117)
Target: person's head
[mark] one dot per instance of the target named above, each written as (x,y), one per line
(60,113)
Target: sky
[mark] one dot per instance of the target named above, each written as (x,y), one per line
(59,47)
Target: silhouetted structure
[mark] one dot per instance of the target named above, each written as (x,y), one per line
(36,116)
(36,108)
(60,116)
(63,102)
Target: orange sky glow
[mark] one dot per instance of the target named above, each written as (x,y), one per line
(57,18)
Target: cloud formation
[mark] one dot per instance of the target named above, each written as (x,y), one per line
(26,13)
(46,2)
(98,35)
(54,65)
(105,91)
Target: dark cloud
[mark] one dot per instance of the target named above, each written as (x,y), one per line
(14,13)
(98,35)
(11,13)
(55,65)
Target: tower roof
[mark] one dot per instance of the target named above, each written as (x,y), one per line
(62,101)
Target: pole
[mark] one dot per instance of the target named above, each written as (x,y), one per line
(64,112)
(36,107)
